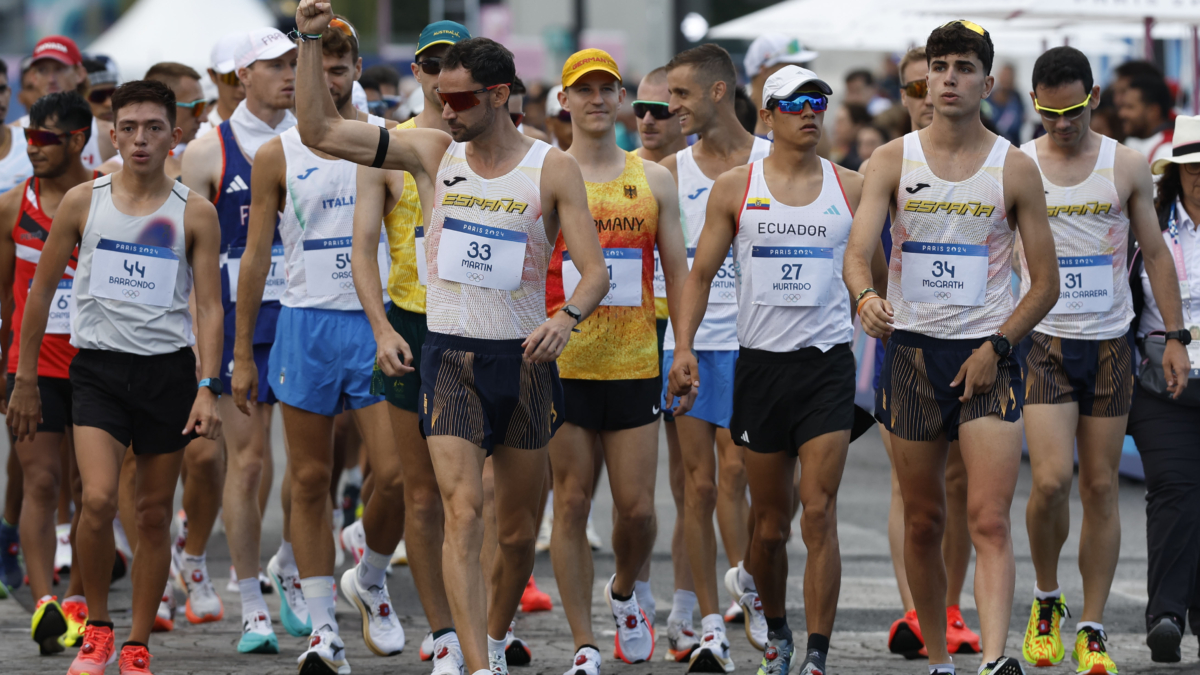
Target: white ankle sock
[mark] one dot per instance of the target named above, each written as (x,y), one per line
(935,668)
(495,647)
(712,623)
(318,595)
(1088,624)
(252,597)
(372,569)
(683,606)
(287,560)
(645,597)
(1046,595)
(745,579)
(191,563)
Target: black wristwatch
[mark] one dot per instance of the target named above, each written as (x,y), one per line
(213,384)
(573,312)
(1184,336)
(1001,344)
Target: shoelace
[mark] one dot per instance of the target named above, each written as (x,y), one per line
(1046,613)
(381,606)
(1096,639)
(135,658)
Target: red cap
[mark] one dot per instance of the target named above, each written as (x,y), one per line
(59,48)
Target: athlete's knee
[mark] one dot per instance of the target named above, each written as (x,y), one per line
(100,503)
(41,485)
(924,524)
(990,527)
(1097,488)
(733,475)
(638,517)
(772,528)
(153,516)
(423,503)
(310,479)
(700,493)
(571,505)
(389,484)
(204,458)
(818,518)
(1053,487)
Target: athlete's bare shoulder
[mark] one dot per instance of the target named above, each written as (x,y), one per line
(852,184)
(271,154)
(197,205)
(75,206)
(1130,170)
(1016,162)
(671,163)
(204,147)
(730,187)
(534,132)
(661,182)
(10,208)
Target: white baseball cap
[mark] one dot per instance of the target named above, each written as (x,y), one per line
(773,48)
(787,80)
(262,44)
(221,59)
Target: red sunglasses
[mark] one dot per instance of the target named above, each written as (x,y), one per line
(465,100)
(40,137)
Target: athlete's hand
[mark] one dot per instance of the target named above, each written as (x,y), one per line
(244,383)
(978,373)
(877,318)
(546,342)
(685,402)
(24,411)
(1176,367)
(393,354)
(684,375)
(313,16)
(204,419)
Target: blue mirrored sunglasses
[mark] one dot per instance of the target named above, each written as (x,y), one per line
(795,104)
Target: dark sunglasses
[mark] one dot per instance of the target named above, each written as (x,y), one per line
(99,96)
(430,66)
(41,137)
(794,105)
(377,108)
(517,118)
(197,107)
(229,78)
(465,100)
(917,89)
(657,109)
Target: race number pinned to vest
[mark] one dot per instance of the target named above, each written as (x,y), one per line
(62,308)
(327,265)
(422,264)
(134,272)
(479,255)
(1085,284)
(791,276)
(276,276)
(724,285)
(660,279)
(624,267)
(944,274)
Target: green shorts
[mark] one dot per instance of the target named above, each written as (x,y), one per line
(404,392)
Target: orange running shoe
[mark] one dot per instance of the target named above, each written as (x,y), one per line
(534,600)
(905,636)
(96,653)
(77,616)
(959,638)
(135,660)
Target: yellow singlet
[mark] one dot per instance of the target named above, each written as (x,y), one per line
(404,284)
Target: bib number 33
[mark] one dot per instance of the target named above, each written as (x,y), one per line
(479,255)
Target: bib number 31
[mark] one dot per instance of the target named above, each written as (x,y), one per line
(1085,284)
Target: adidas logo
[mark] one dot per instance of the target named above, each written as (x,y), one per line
(236,185)
(745,436)
(832,211)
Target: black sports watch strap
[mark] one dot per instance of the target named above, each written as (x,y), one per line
(1000,344)
(213,384)
(573,312)
(1184,336)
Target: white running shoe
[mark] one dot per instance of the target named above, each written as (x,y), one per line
(400,556)
(497,663)
(681,641)
(339,555)
(203,603)
(425,651)
(735,614)
(635,639)
(164,620)
(326,655)
(587,662)
(232,585)
(748,600)
(293,610)
(181,530)
(516,650)
(545,530)
(62,548)
(354,539)
(593,537)
(712,656)
(447,656)
(258,637)
(381,629)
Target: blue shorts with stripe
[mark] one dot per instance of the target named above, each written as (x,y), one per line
(322,360)
(714,402)
(1097,374)
(915,400)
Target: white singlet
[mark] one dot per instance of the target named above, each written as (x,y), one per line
(486,249)
(1091,239)
(15,168)
(317,226)
(950,272)
(133,277)
(718,330)
(789,261)
(90,156)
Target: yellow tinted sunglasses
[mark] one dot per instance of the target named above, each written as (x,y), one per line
(969,25)
(1070,112)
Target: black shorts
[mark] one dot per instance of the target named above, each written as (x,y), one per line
(404,391)
(783,400)
(138,399)
(1097,374)
(661,326)
(487,393)
(611,405)
(56,402)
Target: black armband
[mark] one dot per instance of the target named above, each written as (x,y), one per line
(381,151)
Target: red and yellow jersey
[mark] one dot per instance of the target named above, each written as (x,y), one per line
(618,341)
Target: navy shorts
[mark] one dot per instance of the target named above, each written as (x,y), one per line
(1096,374)
(915,400)
(487,393)
(262,357)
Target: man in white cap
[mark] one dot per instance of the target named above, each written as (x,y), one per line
(218,167)
(223,73)
(767,54)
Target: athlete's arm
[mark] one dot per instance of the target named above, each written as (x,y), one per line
(562,177)
(1132,169)
(672,250)
(201,164)
(25,406)
(266,200)
(10,211)
(860,267)
(204,249)
(392,353)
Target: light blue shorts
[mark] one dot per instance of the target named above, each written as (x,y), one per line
(714,404)
(322,360)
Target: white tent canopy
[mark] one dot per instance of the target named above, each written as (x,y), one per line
(173,30)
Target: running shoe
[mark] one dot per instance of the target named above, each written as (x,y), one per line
(180,524)
(516,650)
(545,530)
(712,656)
(1090,653)
(203,603)
(1043,642)
(326,655)
(48,625)
(1163,639)
(400,555)
(735,614)
(498,663)
(586,662)
(351,492)
(264,582)
(339,552)
(754,620)
(10,562)
(62,548)
(354,539)
(534,599)
(593,537)
(681,641)
(814,664)
(77,616)
(777,657)
(258,636)
(1004,665)
(905,636)
(447,656)
(634,641)
(164,620)
(648,604)
(959,638)
(96,653)
(293,610)
(381,628)
(425,651)
(135,660)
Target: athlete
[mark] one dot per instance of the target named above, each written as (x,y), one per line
(610,378)
(143,238)
(222,72)
(15,167)
(1077,362)
(490,347)
(701,82)
(949,372)
(58,129)
(217,166)
(396,197)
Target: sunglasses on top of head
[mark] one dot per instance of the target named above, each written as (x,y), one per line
(42,137)
(794,104)
(465,100)
(657,109)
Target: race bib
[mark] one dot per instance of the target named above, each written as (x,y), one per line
(1193,351)
(422,264)
(276,277)
(944,274)
(327,265)
(62,308)
(1085,284)
(660,279)
(791,276)
(479,255)
(134,272)
(624,266)
(724,285)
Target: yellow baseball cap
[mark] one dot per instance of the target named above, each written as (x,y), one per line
(585,61)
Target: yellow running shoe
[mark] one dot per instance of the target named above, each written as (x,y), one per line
(1090,653)
(77,616)
(1043,643)
(47,625)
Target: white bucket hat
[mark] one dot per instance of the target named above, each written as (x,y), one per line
(1185,145)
